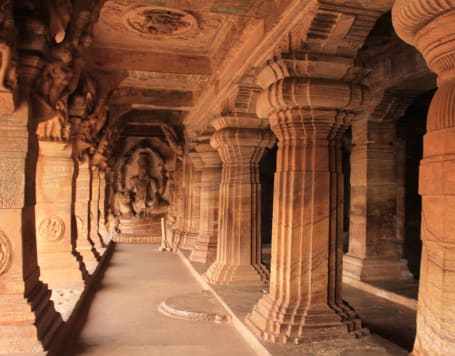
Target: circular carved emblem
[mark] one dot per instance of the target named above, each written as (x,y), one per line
(159,21)
(52,228)
(5,253)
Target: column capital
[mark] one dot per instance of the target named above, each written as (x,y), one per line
(310,94)
(428,25)
(208,154)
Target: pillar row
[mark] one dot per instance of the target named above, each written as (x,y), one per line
(204,250)
(238,258)
(428,25)
(304,299)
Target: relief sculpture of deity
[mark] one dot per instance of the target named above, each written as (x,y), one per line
(144,189)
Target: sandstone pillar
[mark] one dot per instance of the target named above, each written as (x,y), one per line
(304,299)
(241,147)
(429,26)
(84,245)
(54,177)
(26,313)
(181,232)
(102,230)
(195,201)
(204,250)
(98,243)
(375,248)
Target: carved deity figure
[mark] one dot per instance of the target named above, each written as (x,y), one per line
(144,188)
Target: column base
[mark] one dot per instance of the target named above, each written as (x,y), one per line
(297,324)
(204,251)
(29,326)
(189,240)
(61,270)
(223,274)
(375,268)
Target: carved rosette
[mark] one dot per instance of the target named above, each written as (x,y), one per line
(160,21)
(5,253)
(52,228)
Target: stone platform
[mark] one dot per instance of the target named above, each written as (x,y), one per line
(139,230)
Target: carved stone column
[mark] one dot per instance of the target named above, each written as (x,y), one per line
(428,25)
(98,243)
(195,201)
(181,232)
(304,299)
(84,245)
(241,147)
(102,230)
(204,249)
(54,177)
(375,249)
(26,313)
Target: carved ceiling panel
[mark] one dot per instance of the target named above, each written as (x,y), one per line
(148,27)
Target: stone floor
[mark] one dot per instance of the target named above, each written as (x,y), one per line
(124,317)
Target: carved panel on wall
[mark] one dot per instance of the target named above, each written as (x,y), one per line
(52,228)
(11,184)
(5,253)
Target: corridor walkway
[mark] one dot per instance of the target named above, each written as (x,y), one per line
(124,317)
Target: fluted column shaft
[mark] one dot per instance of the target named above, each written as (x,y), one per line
(304,299)
(428,25)
(204,249)
(238,258)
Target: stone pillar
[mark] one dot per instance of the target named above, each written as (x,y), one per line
(102,230)
(84,245)
(428,25)
(26,313)
(54,195)
(304,298)
(241,147)
(195,201)
(204,250)
(375,249)
(185,203)
(98,243)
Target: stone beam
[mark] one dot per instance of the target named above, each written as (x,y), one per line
(153,99)
(118,59)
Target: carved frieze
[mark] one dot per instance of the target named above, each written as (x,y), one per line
(6,253)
